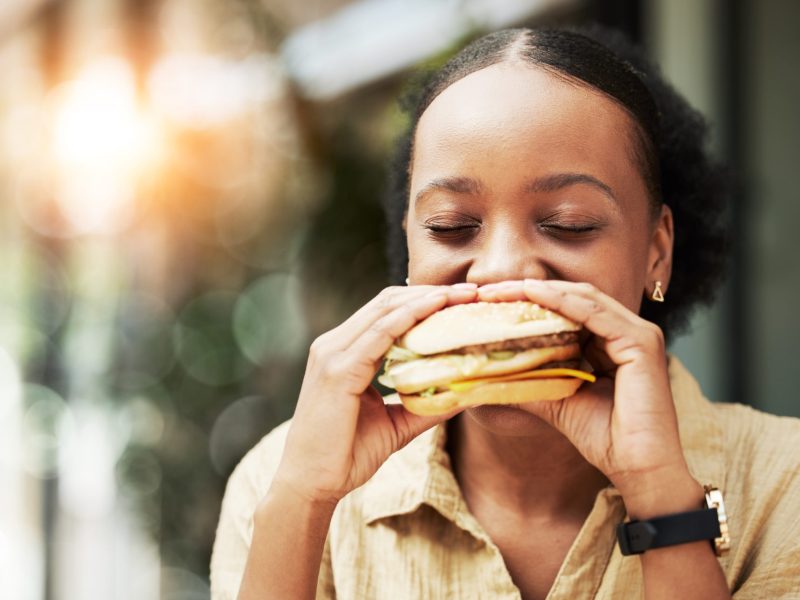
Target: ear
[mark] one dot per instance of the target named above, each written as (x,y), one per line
(659,256)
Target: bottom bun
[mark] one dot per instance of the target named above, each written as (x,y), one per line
(502,392)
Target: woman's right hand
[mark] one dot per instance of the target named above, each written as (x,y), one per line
(342,431)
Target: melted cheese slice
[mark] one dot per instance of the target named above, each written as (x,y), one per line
(461,386)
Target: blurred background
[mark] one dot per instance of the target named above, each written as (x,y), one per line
(190,193)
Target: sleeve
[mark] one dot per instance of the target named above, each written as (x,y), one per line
(234,533)
(768,561)
(325,587)
(778,579)
(246,486)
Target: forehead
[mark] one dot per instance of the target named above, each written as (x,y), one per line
(516,117)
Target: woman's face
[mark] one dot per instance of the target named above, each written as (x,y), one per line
(518,173)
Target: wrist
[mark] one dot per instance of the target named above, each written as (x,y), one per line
(288,541)
(661,492)
(285,493)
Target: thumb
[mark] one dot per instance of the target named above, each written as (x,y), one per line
(408,425)
(549,411)
(579,416)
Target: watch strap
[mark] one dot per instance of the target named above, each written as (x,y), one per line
(637,536)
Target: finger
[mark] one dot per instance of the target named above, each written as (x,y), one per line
(504,291)
(370,347)
(593,351)
(620,330)
(554,291)
(352,369)
(388,300)
(595,354)
(575,416)
(595,311)
(407,425)
(589,291)
(626,335)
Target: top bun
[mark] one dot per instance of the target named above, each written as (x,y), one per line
(482,323)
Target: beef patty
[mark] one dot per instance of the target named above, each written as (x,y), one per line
(538,341)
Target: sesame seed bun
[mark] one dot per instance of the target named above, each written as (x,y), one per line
(482,323)
(485,353)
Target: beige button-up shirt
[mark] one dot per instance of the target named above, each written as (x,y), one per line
(407,533)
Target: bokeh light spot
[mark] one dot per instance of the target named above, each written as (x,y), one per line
(10,384)
(268,321)
(199,91)
(20,565)
(87,488)
(235,430)
(142,420)
(47,425)
(102,141)
(204,340)
(180,584)
(145,321)
(138,472)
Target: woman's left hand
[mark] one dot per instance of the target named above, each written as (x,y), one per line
(625,423)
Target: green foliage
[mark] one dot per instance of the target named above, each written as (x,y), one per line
(224,366)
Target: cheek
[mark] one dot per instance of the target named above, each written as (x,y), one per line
(433,264)
(508,421)
(616,266)
(621,264)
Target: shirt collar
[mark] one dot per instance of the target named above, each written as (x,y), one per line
(701,432)
(421,472)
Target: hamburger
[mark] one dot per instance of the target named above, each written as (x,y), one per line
(485,353)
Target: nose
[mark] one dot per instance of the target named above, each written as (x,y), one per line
(506,254)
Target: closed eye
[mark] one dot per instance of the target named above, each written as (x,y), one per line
(451,226)
(571,229)
(451,231)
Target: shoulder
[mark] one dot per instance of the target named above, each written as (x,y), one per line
(762,464)
(762,456)
(259,465)
(762,496)
(246,486)
(759,446)
(732,442)
(754,458)
(253,475)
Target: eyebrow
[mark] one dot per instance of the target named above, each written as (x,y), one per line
(546,183)
(557,181)
(459,185)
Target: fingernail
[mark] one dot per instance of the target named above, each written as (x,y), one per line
(465,286)
(497,285)
(534,282)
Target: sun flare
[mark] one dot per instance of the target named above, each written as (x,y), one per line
(103,141)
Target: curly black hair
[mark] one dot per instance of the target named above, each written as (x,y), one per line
(670,149)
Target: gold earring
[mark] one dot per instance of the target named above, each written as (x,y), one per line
(658,295)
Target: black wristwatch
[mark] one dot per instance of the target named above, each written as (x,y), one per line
(709,523)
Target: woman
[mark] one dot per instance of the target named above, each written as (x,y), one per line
(539,165)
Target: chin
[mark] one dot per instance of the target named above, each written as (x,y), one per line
(507,420)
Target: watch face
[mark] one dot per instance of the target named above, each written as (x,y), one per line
(714,500)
